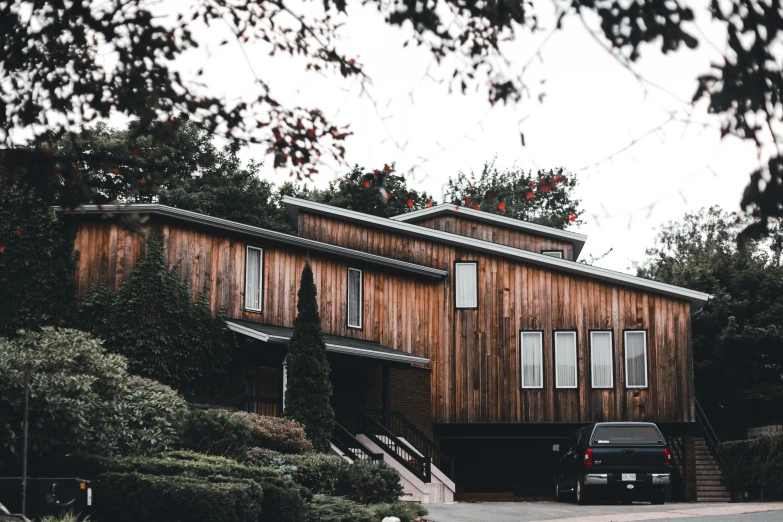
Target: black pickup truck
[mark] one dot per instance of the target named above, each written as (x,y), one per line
(614,460)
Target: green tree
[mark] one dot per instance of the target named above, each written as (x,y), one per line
(309,391)
(154,321)
(545,197)
(380,192)
(36,264)
(737,340)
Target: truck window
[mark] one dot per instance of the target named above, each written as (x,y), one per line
(627,435)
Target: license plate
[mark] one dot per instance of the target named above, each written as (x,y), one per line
(627,477)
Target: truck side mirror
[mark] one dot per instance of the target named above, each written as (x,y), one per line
(556,448)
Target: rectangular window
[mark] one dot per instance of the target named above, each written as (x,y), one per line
(254,270)
(553,253)
(565,360)
(636,359)
(355,298)
(532,359)
(601,369)
(466,285)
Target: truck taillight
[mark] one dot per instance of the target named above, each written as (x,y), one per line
(589,457)
(667,457)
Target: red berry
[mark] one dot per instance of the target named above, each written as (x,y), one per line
(410,203)
(116,171)
(429,203)
(572,217)
(386,169)
(546,188)
(366,184)
(468,202)
(475,207)
(502,206)
(142,181)
(530,195)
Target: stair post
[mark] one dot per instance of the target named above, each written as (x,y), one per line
(689,463)
(385,395)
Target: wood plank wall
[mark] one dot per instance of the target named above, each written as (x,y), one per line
(464,226)
(475,353)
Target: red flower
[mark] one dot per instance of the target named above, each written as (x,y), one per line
(19,232)
(388,195)
(116,171)
(546,188)
(142,181)
(351,62)
(572,217)
(386,169)
(530,195)
(475,207)
(410,203)
(502,206)
(468,202)
(429,203)
(532,185)
(366,184)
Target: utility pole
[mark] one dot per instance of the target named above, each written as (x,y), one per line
(24,440)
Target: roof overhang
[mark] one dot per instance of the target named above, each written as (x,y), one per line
(576,239)
(334,344)
(260,233)
(697,299)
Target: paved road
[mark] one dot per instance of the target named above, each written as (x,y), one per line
(544,511)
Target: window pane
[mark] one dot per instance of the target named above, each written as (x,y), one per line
(354,298)
(636,359)
(253,279)
(627,435)
(465,283)
(565,359)
(601,359)
(553,253)
(532,360)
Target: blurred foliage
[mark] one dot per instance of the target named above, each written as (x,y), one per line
(738,336)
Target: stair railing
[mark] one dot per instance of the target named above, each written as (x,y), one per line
(351,446)
(678,475)
(710,437)
(405,429)
(397,449)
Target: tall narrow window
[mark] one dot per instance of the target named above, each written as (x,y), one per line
(254,269)
(531,359)
(553,253)
(636,359)
(601,370)
(565,359)
(355,298)
(466,285)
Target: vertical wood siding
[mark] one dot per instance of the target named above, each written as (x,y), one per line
(464,226)
(475,373)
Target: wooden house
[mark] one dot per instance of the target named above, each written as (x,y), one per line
(461,343)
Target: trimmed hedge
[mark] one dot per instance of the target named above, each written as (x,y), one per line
(315,471)
(283,501)
(137,497)
(338,509)
(405,511)
(276,433)
(369,482)
(215,432)
(754,467)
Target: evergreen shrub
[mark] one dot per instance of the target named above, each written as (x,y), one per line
(754,467)
(324,508)
(369,482)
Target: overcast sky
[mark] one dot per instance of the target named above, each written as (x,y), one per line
(592,108)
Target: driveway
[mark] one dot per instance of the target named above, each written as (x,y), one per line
(540,511)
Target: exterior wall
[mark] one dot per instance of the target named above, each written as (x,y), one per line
(215,261)
(464,226)
(475,353)
(409,394)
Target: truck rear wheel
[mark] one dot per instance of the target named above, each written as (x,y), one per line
(582,497)
(658,498)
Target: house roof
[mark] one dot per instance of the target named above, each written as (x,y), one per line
(578,240)
(697,299)
(261,233)
(335,344)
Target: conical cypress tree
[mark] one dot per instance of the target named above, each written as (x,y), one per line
(309,390)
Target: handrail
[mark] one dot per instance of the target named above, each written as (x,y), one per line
(402,427)
(399,451)
(710,436)
(351,446)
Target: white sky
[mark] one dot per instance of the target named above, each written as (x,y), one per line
(593,108)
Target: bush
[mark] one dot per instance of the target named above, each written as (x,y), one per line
(275,433)
(215,432)
(338,509)
(68,516)
(283,500)
(315,471)
(369,482)
(261,456)
(405,511)
(754,467)
(136,497)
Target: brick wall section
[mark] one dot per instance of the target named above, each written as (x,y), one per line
(689,450)
(410,395)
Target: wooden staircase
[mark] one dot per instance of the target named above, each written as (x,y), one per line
(708,476)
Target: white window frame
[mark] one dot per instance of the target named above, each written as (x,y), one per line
(558,254)
(625,356)
(576,360)
(611,358)
(348,299)
(475,281)
(260,279)
(540,335)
